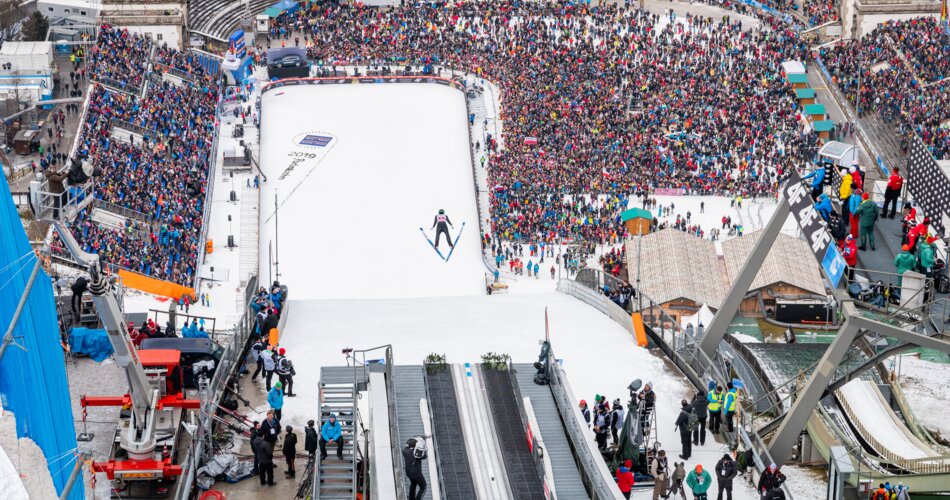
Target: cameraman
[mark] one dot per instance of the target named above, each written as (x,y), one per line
(413,462)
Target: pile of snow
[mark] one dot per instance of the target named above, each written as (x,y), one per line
(23,470)
(926,387)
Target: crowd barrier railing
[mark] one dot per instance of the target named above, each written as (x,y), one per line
(116,85)
(128,213)
(167,68)
(131,127)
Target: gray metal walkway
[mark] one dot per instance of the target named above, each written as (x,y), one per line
(409,386)
(567,479)
(454,467)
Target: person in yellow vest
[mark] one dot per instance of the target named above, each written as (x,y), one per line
(730,404)
(715,409)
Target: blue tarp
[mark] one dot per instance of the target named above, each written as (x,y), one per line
(32,373)
(94,343)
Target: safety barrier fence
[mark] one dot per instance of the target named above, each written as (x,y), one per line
(927,465)
(113,84)
(483,224)
(753,362)
(77,140)
(231,360)
(138,129)
(184,75)
(128,213)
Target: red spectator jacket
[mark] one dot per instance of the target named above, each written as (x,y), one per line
(850,252)
(896,182)
(624,481)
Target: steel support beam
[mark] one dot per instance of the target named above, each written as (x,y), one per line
(851,375)
(900,333)
(808,398)
(717,328)
(8,336)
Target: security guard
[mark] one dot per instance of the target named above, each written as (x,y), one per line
(715,409)
(731,402)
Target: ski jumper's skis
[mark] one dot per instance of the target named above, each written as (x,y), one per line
(423,231)
(456,242)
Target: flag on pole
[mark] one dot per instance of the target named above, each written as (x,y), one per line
(530,141)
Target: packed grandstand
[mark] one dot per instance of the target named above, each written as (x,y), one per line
(599,104)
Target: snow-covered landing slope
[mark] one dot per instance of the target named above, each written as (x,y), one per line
(356,170)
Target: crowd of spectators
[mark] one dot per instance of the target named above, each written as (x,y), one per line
(120,58)
(161,174)
(187,62)
(898,71)
(819,12)
(627,101)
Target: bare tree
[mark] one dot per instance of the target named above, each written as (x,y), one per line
(10,15)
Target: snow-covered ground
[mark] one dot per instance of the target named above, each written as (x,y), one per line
(23,468)
(926,387)
(708,211)
(350,210)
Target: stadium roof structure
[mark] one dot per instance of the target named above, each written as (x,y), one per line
(678,265)
(789,261)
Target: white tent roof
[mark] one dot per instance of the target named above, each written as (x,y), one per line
(793,67)
(702,317)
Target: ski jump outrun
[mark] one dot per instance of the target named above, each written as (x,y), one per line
(441,224)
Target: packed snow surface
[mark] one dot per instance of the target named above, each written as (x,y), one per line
(877,418)
(350,172)
(926,387)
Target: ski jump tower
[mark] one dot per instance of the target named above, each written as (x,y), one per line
(915,325)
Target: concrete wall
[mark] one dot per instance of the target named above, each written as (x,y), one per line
(170,34)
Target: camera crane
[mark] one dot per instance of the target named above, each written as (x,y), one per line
(155,396)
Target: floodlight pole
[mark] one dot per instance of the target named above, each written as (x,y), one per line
(8,336)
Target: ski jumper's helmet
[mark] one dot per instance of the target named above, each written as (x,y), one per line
(441,211)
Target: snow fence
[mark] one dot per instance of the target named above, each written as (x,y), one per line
(32,372)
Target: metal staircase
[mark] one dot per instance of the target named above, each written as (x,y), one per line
(335,478)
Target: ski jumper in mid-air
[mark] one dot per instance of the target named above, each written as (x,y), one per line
(441,225)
